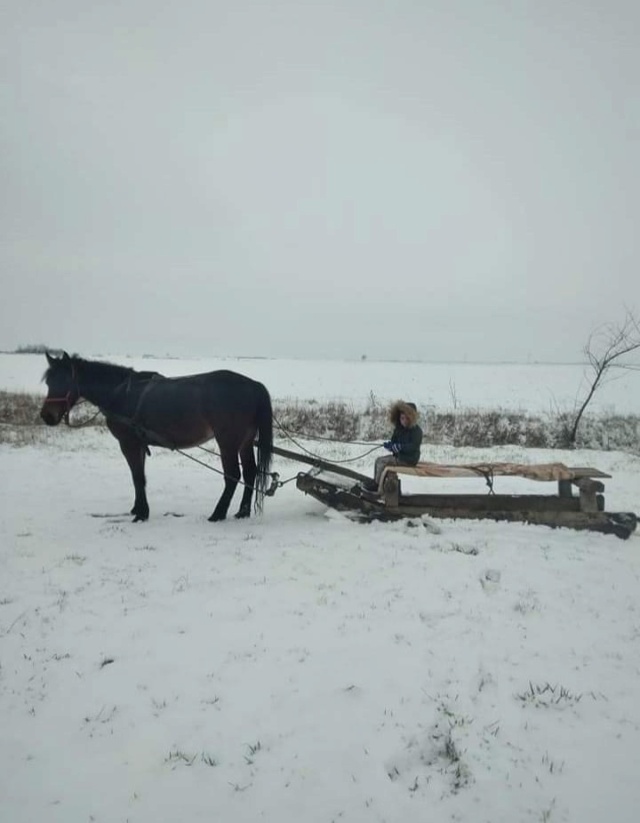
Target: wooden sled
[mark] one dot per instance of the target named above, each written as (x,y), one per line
(564,509)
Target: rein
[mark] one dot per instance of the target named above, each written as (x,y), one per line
(84,423)
(149,437)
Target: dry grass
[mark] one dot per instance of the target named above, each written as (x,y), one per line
(19,409)
(339,421)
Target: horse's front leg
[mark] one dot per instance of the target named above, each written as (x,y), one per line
(135,453)
(136,458)
(231,477)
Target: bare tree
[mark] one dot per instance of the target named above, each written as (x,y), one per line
(605,349)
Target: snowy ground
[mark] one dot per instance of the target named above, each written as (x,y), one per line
(302,667)
(536,388)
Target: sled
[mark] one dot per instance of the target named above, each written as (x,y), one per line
(333,486)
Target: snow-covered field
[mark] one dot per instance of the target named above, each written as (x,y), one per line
(535,388)
(298,666)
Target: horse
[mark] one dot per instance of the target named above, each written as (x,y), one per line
(145,409)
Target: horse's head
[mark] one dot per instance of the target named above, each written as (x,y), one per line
(62,386)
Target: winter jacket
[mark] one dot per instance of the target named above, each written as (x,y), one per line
(409,438)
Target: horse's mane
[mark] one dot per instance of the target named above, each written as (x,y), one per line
(99,367)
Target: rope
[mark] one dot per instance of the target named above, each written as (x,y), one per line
(276,482)
(279,482)
(275,477)
(488,476)
(287,433)
(290,437)
(323,439)
(84,423)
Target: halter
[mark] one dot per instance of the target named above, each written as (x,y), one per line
(67,398)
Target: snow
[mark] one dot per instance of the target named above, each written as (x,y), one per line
(299,666)
(537,388)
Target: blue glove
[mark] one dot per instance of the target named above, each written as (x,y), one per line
(396,448)
(388,445)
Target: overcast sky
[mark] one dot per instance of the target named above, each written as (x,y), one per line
(428,179)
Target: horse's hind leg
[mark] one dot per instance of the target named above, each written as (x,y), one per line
(231,477)
(249,471)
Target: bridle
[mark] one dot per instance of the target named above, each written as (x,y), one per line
(68,400)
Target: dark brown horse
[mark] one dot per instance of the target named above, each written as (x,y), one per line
(145,409)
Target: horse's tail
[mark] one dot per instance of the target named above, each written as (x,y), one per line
(264,420)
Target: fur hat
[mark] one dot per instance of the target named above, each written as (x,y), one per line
(403,407)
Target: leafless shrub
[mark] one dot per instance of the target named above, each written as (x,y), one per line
(607,350)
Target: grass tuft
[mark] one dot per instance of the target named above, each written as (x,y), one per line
(548,696)
(177,756)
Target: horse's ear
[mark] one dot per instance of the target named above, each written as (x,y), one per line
(65,357)
(49,358)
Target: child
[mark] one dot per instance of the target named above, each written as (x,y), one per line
(404,444)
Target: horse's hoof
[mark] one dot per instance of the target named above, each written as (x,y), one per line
(140,518)
(242,513)
(216,518)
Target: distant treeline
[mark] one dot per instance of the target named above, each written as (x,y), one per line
(33,348)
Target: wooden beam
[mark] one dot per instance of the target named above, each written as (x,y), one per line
(318,463)
(391,490)
(565,488)
(491,502)
(581,471)
(588,485)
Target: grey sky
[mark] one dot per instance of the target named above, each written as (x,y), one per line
(437,180)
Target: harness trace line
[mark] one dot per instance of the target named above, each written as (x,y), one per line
(290,437)
(147,435)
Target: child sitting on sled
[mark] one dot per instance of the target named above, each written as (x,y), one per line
(404,444)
